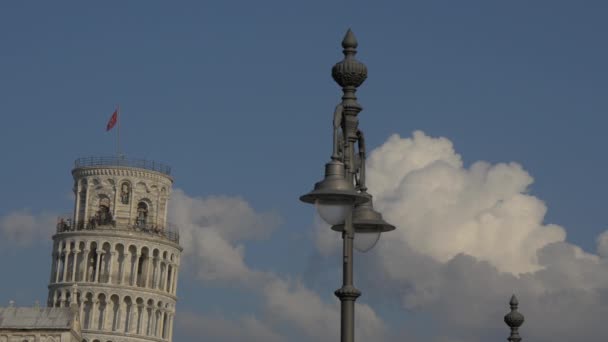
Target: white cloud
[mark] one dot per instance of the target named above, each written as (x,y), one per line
(442,209)
(232,217)
(467,238)
(211,230)
(602,244)
(215,328)
(24,228)
(300,307)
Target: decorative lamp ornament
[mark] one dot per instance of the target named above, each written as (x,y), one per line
(368,224)
(514,320)
(349,72)
(334,189)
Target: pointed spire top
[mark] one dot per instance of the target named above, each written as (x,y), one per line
(513,302)
(349,72)
(349,41)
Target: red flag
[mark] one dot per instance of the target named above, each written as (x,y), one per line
(112,121)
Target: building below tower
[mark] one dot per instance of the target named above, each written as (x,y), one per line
(36,324)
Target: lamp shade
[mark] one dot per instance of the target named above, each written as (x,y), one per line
(334,188)
(366,219)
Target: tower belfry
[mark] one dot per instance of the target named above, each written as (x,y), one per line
(119,251)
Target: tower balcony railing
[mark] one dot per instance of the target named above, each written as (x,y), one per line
(169,231)
(123,161)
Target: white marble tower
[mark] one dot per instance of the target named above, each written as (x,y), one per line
(119,251)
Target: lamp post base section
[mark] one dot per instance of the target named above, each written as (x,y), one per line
(348,294)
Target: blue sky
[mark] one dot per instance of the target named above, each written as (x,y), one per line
(237,97)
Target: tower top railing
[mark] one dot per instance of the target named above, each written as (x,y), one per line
(65,224)
(124,162)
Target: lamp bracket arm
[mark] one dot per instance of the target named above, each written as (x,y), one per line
(362,156)
(338,116)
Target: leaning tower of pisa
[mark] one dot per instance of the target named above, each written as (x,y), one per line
(116,256)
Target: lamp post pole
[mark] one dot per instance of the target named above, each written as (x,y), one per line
(349,74)
(348,294)
(343,187)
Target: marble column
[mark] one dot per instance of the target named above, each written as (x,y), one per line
(94,315)
(123,268)
(65,265)
(85,265)
(148,271)
(163,272)
(155,273)
(75,263)
(99,256)
(57,268)
(111,268)
(135,270)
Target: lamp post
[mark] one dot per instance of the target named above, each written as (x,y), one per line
(341,197)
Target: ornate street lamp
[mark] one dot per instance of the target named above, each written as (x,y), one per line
(341,197)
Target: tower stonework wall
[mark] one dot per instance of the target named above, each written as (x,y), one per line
(117,253)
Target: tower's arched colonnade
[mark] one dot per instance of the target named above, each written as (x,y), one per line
(116,254)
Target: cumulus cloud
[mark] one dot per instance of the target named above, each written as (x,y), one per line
(221,329)
(232,217)
(212,232)
(602,244)
(443,208)
(298,306)
(23,228)
(467,238)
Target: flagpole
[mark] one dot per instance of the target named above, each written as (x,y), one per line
(118,131)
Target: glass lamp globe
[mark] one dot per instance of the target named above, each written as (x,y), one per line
(364,242)
(333,213)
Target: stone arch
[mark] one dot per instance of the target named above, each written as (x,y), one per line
(102,308)
(145,267)
(70,259)
(60,261)
(79,298)
(81,261)
(57,298)
(87,315)
(127,309)
(119,261)
(155,268)
(164,270)
(67,295)
(158,319)
(125,191)
(139,323)
(164,329)
(91,261)
(105,262)
(114,323)
(142,187)
(133,263)
(145,213)
(103,210)
(150,309)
